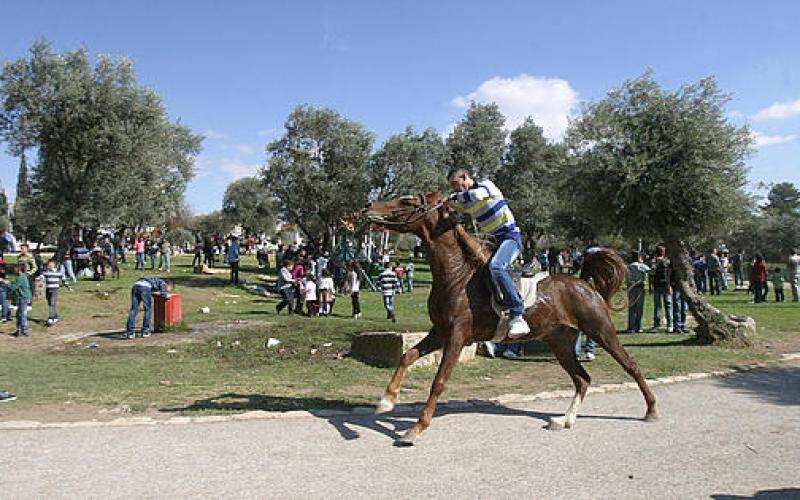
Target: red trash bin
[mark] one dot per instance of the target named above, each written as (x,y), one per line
(167,312)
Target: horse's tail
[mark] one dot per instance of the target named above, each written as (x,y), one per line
(607,271)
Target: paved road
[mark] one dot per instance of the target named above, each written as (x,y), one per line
(717,438)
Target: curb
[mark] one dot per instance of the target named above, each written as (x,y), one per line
(365,411)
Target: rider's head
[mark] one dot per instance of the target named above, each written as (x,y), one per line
(459,179)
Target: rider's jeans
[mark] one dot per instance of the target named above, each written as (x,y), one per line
(507,252)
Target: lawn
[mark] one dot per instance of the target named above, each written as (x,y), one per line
(230,368)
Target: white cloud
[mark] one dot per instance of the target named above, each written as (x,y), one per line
(244,149)
(213,134)
(779,110)
(550,101)
(236,168)
(769,140)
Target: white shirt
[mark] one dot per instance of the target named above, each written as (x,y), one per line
(355,283)
(326,283)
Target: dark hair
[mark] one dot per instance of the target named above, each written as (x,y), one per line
(635,255)
(776,270)
(456,170)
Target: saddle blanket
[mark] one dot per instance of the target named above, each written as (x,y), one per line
(526,287)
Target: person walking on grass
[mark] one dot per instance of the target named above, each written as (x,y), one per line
(388,283)
(353,286)
(758,280)
(21,289)
(410,276)
(793,275)
(232,256)
(777,284)
(111,255)
(142,294)
(325,293)
(286,284)
(53,278)
(6,309)
(165,255)
(309,291)
(28,260)
(662,291)
(637,272)
(139,249)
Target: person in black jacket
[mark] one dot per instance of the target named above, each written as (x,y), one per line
(662,289)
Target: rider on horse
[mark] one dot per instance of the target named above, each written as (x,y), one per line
(486,204)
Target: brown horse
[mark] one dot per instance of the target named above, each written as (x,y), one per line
(460,308)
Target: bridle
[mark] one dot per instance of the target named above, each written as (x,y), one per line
(411,215)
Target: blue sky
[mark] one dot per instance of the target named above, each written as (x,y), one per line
(234,70)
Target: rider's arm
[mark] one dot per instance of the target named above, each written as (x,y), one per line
(479,192)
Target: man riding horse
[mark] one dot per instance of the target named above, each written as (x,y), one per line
(485,203)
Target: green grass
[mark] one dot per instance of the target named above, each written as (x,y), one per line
(243,374)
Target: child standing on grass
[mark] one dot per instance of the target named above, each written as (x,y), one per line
(6,310)
(21,289)
(777,284)
(309,291)
(52,279)
(388,282)
(325,293)
(354,285)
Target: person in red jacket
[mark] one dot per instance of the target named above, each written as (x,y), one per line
(758,278)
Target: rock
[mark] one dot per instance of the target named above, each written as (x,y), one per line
(386,348)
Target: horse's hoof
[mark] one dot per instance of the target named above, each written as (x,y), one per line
(408,439)
(384,406)
(651,417)
(557,424)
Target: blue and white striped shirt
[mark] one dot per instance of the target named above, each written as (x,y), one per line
(487,205)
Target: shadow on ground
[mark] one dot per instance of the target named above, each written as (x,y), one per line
(775,385)
(391,425)
(777,494)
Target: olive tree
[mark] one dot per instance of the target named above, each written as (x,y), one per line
(665,165)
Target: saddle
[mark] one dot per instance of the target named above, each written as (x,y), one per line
(526,283)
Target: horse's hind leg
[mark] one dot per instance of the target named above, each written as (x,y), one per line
(608,340)
(562,343)
(430,343)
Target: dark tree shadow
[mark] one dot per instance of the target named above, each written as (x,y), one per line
(777,494)
(347,424)
(775,385)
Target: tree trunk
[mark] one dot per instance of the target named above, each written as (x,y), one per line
(714,327)
(64,242)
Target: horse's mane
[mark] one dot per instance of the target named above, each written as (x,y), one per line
(475,251)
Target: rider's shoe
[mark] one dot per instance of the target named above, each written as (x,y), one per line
(518,327)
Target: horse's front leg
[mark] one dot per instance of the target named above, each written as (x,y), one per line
(430,343)
(452,350)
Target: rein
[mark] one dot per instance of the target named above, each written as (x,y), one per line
(410,216)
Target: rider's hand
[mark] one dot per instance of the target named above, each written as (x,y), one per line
(453,197)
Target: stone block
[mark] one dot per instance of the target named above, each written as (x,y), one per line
(386,348)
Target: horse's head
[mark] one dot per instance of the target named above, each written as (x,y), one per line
(407,214)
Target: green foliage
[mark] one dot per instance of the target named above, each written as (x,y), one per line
(478,141)
(783,199)
(318,170)
(773,236)
(529,179)
(107,152)
(409,163)
(23,184)
(214,222)
(248,202)
(179,237)
(652,163)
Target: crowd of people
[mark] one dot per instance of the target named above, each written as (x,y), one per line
(309,280)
